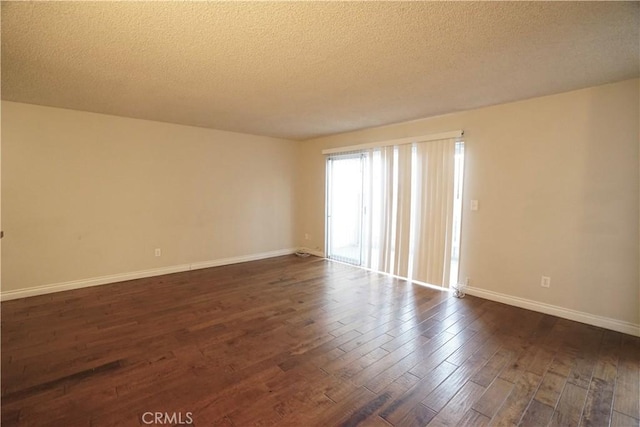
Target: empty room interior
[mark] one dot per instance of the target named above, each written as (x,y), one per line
(320,213)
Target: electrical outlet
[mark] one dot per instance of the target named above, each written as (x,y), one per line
(467,281)
(158,252)
(306,236)
(545,282)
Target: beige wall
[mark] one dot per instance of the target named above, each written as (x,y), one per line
(87,195)
(557,182)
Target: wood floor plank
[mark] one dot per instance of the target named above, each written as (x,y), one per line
(441,395)
(627,388)
(374,422)
(460,403)
(621,420)
(303,342)
(493,397)
(518,400)
(599,404)
(563,362)
(536,415)
(439,355)
(582,371)
(570,406)
(401,406)
(541,361)
(473,419)
(419,415)
(491,369)
(550,389)
(350,410)
(392,392)
(402,367)
(360,375)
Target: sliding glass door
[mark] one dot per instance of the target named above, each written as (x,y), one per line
(345,208)
(397,209)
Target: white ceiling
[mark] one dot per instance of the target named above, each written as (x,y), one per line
(304,69)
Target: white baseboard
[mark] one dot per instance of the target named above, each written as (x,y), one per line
(554,310)
(121,277)
(578,316)
(239,259)
(313,252)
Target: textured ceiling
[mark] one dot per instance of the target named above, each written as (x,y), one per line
(299,70)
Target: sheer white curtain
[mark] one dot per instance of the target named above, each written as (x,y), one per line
(408,214)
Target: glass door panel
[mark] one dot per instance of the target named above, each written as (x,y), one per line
(344,208)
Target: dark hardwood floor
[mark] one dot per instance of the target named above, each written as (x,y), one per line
(303,342)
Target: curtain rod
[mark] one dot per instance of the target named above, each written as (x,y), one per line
(400,141)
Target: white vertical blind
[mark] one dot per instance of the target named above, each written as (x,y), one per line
(407,208)
(378,209)
(434,217)
(403,212)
